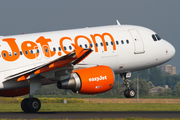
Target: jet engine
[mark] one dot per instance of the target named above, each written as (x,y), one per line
(92,80)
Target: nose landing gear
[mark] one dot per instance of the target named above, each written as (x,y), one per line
(128,93)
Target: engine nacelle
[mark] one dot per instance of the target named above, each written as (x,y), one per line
(92,80)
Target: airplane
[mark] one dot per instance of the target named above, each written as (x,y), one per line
(84,60)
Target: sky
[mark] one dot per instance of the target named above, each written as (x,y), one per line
(30,16)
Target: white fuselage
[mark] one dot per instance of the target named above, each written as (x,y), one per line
(124,48)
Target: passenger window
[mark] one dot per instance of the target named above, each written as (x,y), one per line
(106,43)
(127,41)
(31,51)
(117,42)
(80,45)
(122,41)
(70,47)
(26,52)
(96,45)
(85,45)
(101,44)
(46,49)
(154,38)
(10,54)
(20,52)
(91,45)
(15,53)
(112,43)
(54,49)
(158,37)
(37,50)
(4,54)
(64,47)
(59,48)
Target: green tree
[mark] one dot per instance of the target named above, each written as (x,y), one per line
(155,76)
(117,89)
(144,87)
(144,74)
(171,80)
(52,90)
(176,91)
(167,92)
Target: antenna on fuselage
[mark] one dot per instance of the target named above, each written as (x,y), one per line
(118,23)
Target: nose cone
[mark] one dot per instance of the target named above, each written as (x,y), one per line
(171,51)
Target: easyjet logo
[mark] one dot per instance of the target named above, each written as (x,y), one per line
(30,49)
(97,79)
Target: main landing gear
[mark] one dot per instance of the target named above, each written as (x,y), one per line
(32,104)
(128,93)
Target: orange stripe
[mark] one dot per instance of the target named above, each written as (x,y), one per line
(60,63)
(53,66)
(23,77)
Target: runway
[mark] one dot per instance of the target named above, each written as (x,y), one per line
(88,115)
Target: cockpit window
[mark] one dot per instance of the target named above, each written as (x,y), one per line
(154,38)
(158,37)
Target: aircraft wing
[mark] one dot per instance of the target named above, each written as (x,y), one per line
(72,58)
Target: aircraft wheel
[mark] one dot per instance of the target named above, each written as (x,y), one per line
(34,104)
(132,93)
(59,85)
(24,105)
(126,93)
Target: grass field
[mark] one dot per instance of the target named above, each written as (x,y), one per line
(94,104)
(101,96)
(57,107)
(100,119)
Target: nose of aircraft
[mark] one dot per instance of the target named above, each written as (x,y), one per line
(170,50)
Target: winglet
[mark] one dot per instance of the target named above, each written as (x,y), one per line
(78,49)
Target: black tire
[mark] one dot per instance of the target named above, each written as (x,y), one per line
(126,93)
(132,93)
(59,85)
(34,104)
(24,105)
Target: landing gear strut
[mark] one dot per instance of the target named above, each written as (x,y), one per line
(128,93)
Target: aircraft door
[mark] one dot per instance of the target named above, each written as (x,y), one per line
(138,42)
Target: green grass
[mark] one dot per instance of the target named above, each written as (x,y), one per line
(57,107)
(104,119)
(100,96)
(111,107)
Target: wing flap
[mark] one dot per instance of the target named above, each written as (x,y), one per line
(72,58)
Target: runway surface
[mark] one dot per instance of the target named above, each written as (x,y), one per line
(88,115)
